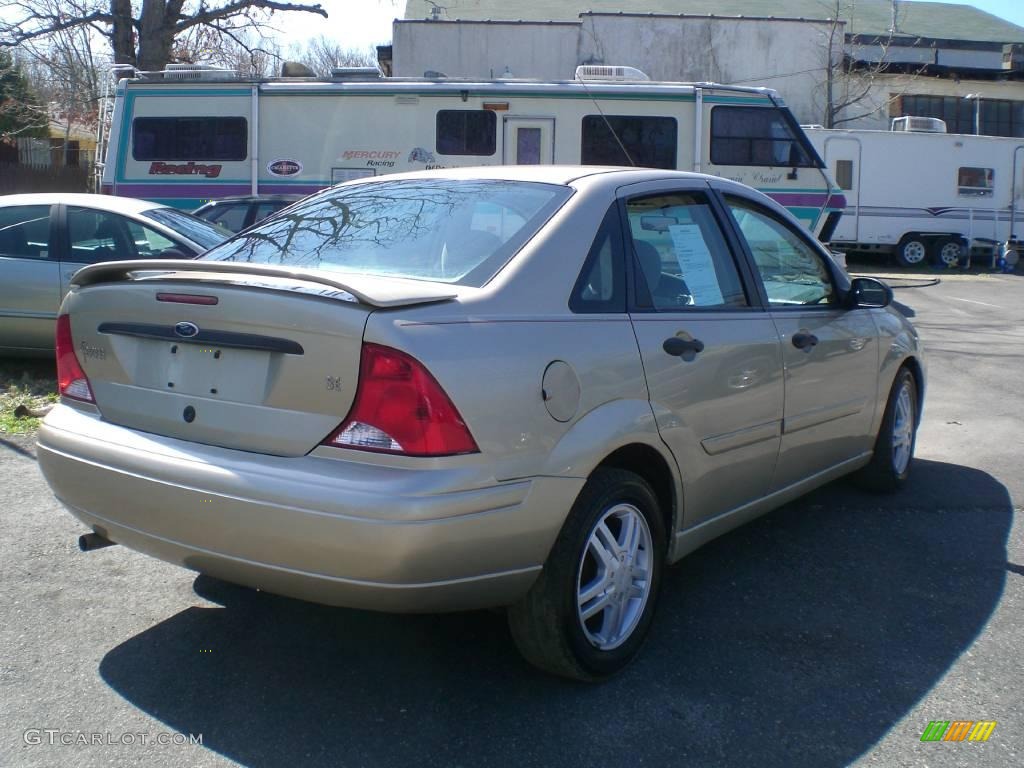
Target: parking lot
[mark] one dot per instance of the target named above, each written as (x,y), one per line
(828,633)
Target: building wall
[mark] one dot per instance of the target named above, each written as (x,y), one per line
(485,49)
(666,48)
(787,55)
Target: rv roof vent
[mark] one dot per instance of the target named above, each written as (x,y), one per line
(356,73)
(198,72)
(919,124)
(602,72)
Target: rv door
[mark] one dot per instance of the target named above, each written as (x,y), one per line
(529,141)
(843,158)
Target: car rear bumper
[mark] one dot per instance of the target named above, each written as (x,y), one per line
(320,529)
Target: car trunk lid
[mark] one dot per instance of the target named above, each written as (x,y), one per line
(261,359)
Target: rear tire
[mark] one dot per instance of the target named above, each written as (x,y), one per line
(946,252)
(912,251)
(589,611)
(894,447)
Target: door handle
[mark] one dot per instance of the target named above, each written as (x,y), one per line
(804,340)
(678,347)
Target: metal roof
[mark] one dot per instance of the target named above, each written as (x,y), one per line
(942,21)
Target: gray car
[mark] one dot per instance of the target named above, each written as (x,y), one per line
(46,238)
(528,387)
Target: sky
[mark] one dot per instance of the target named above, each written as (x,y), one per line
(363,23)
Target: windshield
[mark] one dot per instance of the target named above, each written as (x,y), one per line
(195,229)
(439,229)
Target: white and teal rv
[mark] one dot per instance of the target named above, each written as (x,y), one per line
(191,133)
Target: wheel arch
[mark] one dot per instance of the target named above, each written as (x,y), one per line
(622,434)
(643,460)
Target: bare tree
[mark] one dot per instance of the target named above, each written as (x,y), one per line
(321,55)
(852,79)
(64,70)
(142,34)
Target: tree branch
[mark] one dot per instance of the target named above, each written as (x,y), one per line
(232,9)
(52,24)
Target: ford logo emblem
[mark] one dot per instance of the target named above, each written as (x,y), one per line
(186,330)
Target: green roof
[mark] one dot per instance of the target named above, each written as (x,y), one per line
(944,21)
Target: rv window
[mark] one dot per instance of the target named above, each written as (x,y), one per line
(648,142)
(757,136)
(975,182)
(844,174)
(189,138)
(467,132)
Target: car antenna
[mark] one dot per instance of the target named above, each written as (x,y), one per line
(607,122)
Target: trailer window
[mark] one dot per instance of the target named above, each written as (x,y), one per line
(757,136)
(190,138)
(648,142)
(975,182)
(467,132)
(844,174)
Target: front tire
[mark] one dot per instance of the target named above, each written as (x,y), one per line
(894,447)
(589,611)
(912,251)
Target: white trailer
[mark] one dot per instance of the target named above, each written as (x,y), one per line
(190,134)
(918,195)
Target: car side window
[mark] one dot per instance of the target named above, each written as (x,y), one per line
(95,236)
(25,232)
(230,216)
(148,242)
(681,259)
(601,286)
(265,209)
(793,272)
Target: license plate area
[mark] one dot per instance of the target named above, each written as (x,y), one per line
(201,370)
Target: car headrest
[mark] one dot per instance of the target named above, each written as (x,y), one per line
(650,262)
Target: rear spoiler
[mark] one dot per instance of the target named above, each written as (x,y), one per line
(371,290)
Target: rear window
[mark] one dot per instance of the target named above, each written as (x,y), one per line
(449,231)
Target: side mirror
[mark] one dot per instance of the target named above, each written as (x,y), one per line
(867,292)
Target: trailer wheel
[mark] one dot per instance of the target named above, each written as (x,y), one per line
(947,252)
(911,251)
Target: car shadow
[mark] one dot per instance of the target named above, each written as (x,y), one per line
(797,640)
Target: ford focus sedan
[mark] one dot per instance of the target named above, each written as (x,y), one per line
(530,388)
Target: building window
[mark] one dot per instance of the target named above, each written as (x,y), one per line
(467,132)
(648,142)
(975,182)
(998,117)
(190,138)
(756,136)
(844,174)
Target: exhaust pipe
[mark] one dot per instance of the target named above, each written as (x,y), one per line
(88,542)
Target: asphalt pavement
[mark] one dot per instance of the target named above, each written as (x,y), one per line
(828,633)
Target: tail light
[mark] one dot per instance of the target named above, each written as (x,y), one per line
(71,379)
(400,408)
